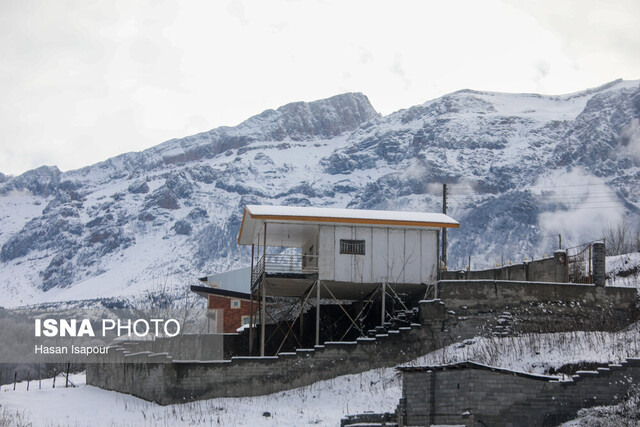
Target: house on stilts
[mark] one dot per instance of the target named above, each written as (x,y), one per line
(352,258)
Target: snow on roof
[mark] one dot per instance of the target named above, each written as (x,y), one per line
(255,215)
(257,211)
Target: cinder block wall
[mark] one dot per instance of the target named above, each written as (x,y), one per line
(474,395)
(187,346)
(466,309)
(551,269)
(178,381)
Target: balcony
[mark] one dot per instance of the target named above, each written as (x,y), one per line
(282,265)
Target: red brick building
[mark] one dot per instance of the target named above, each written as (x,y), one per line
(228,309)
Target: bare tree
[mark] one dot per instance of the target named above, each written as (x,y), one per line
(620,238)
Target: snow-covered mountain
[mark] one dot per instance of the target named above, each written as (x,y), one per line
(521,168)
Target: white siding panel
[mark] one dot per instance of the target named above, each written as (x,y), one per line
(326,256)
(362,263)
(412,253)
(429,256)
(343,262)
(395,258)
(379,245)
(391,255)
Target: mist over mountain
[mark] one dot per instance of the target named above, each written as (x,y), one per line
(521,168)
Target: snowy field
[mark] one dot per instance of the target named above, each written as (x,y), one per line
(322,403)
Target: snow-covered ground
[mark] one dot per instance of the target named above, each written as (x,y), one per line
(624,270)
(322,403)
(625,413)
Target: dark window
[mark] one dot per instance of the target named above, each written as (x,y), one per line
(352,247)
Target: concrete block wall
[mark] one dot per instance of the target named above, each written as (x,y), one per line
(181,381)
(475,395)
(550,269)
(187,346)
(467,309)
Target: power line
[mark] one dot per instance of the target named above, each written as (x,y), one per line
(587,208)
(466,188)
(590,193)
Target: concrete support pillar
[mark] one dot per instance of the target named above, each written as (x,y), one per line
(599,267)
(560,258)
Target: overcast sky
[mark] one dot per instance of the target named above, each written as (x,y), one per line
(82,81)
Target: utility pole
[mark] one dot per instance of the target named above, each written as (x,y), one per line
(444,230)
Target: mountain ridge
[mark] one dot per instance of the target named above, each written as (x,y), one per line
(113,229)
(355,107)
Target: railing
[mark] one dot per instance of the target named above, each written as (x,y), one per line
(256,273)
(284,264)
(579,261)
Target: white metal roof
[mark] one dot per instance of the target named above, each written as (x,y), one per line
(303,217)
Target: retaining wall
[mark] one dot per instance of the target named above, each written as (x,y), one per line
(479,307)
(466,309)
(187,346)
(151,377)
(474,395)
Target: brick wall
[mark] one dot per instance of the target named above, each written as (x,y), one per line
(232,317)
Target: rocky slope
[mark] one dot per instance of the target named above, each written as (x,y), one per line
(521,168)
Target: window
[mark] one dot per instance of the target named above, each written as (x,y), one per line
(352,247)
(235,303)
(246,320)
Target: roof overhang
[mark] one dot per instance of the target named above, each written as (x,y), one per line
(205,291)
(297,223)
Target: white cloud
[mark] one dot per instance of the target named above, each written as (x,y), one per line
(583,205)
(84,81)
(630,139)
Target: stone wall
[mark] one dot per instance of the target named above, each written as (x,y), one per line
(479,307)
(474,395)
(465,310)
(494,294)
